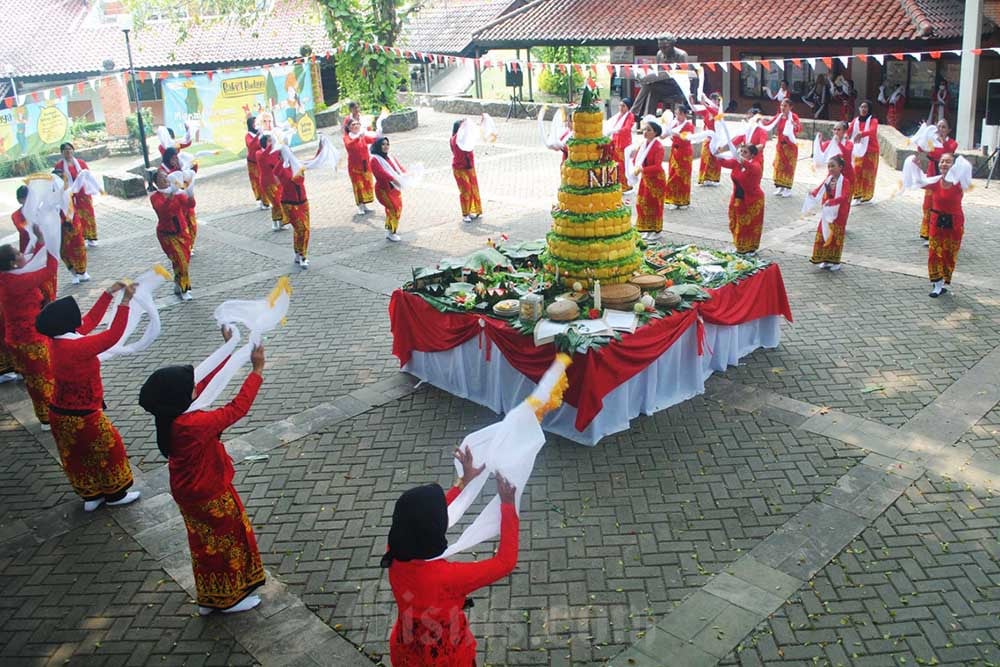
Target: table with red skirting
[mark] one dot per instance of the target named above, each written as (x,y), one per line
(665,362)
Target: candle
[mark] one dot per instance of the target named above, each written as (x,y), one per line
(597,294)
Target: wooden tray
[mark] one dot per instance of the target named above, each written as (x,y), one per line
(648,282)
(623,292)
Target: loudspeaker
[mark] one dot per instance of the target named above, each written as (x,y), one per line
(514,78)
(993,102)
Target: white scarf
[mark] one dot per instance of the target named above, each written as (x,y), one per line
(861,147)
(828,213)
(66,164)
(614,124)
(638,159)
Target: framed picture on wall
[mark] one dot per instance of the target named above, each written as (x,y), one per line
(922,76)
(896,73)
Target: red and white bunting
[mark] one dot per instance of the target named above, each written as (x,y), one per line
(843,60)
(879,58)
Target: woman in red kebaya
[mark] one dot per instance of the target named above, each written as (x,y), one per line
(224,555)
(709,172)
(786,157)
(172,230)
(21,301)
(388,171)
(357,143)
(864,132)
(91,450)
(754,134)
(431,629)
(646,164)
(844,149)
(947,227)
(746,206)
(619,127)
(836,191)
(72,248)
(678,189)
(948,146)
(294,204)
(463,168)
(269,184)
(83,204)
(252,140)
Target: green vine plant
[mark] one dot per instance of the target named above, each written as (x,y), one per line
(372,78)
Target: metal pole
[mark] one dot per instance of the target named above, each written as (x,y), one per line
(138,105)
(531,92)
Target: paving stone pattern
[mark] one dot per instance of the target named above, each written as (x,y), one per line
(918,587)
(652,529)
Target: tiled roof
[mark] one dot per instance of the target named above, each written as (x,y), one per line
(446,26)
(65,42)
(603,22)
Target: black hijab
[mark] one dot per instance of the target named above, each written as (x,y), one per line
(419,524)
(378,148)
(59,317)
(166,395)
(861,118)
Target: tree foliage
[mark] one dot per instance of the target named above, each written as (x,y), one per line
(371,78)
(555,83)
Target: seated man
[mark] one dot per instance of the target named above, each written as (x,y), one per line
(658,87)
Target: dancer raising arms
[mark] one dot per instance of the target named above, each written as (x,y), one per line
(834,193)
(823,150)
(786,157)
(388,183)
(678,188)
(83,203)
(463,168)
(943,145)
(863,133)
(646,169)
(72,246)
(754,134)
(20,303)
(431,628)
(708,165)
(746,205)
(172,207)
(91,450)
(224,554)
(358,142)
(252,140)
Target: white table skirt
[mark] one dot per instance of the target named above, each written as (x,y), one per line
(677,375)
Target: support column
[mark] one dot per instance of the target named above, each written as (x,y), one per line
(478,78)
(727,77)
(427,78)
(115,106)
(569,75)
(531,91)
(859,73)
(972,31)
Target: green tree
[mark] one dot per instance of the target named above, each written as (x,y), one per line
(373,78)
(556,83)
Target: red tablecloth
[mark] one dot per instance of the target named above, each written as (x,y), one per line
(416,325)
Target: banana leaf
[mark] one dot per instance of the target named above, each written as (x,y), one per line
(484,258)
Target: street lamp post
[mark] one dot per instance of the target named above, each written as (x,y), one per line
(125,23)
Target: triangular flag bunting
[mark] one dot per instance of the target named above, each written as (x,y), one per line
(143,75)
(828,61)
(8,102)
(766,64)
(780,64)
(710,66)
(935,54)
(79,87)
(898,56)
(812,62)
(737,65)
(797,62)
(843,60)
(915,55)
(724,65)
(863,57)
(35,97)
(977,52)
(879,58)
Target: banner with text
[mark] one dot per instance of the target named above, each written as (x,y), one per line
(215,105)
(34,127)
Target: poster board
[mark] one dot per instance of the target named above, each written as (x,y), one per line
(33,127)
(216,106)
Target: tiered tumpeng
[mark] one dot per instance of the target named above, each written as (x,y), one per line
(592,236)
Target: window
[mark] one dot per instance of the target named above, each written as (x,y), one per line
(149,90)
(750,77)
(950,71)
(797,77)
(920,78)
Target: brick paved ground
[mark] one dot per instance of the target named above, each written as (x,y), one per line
(617,540)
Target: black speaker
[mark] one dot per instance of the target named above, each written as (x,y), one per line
(993,102)
(514,78)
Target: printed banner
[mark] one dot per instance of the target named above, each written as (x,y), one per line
(215,106)
(34,127)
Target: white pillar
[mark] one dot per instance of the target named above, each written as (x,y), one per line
(727,81)
(972,30)
(859,72)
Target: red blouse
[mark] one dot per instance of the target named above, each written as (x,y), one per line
(949,145)
(461,159)
(265,164)
(200,467)
(253,145)
(172,212)
(653,162)
(21,301)
(708,114)
(679,143)
(383,178)
(293,186)
(758,138)
(75,366)
(847,153)
(779,129)
(69,168)
(622,139)
(857,127)
(949,201)
(431,629)
(358,154)
(746,178)
(21,224)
